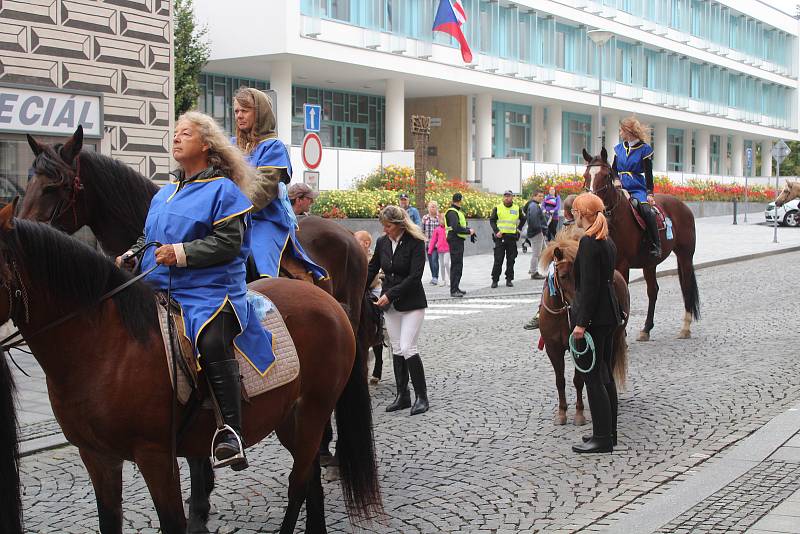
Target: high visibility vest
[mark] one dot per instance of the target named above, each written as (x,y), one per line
(507,218)
(462,221)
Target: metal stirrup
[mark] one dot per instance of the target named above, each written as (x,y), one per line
(227,461)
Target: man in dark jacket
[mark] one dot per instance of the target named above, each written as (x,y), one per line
(537,225)
(457,232)
(506,221)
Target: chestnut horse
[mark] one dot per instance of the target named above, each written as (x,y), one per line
(110,389)
(628,237)
(789,192)
(554,322)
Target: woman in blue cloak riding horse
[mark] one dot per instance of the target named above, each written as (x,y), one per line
(202,223)
(275,244)
(633,165)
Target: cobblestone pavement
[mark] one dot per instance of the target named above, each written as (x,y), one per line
(487,457)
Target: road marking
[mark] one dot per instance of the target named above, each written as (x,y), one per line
(455,312)
(470,305)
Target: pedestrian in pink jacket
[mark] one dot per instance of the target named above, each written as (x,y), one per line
(439,244)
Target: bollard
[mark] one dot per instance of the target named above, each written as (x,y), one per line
(735,206)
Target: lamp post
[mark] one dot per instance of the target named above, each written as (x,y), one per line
(600,38)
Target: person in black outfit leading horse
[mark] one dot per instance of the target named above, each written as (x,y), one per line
(596,311)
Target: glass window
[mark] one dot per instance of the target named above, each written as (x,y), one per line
(674,149)
(715,155)
(511,131)
(576,134)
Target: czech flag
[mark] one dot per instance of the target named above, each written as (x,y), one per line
(449,18)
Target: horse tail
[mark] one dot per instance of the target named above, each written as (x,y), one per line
(688,281)
(11,511)
(620,358)
(356,444)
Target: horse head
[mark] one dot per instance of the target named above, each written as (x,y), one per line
(597,177)
(790,191)
(52,191)
(565,279)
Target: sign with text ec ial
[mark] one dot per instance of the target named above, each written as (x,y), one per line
(311,151)
(780,151)
(313,117)
(50,112)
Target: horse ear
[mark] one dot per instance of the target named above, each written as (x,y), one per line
(35,146)
(558,254)
(7,215)
(73,147)
(586,156)
(604,154)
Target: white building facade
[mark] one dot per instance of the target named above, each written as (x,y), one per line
(716,80)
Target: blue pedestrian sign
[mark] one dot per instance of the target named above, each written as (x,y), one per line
(313,115)
(749,157)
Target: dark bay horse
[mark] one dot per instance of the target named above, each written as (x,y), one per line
(554,322)
(627,235)
(110,389)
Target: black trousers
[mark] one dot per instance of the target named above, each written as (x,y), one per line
(216,341)
(506,247)
(600,387)
(456,245)
(552,227)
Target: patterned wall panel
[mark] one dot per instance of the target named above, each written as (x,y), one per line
(120,48)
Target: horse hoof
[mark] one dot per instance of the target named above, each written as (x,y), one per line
(685,334)
(197,526)
(643,336)
(561,419)
(332,474)
(580,419)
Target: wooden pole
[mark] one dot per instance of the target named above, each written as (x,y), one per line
(421,130)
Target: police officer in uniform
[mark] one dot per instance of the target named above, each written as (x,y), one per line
(457,233)
(506,221)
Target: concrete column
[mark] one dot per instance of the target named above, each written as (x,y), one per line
(702,151)
(737,155)
(612,134)
(686,157)
(395,114)
(538,133)
(766,157)
(280,81)
(483,130)
(553,128)
(660,155)
(470,140)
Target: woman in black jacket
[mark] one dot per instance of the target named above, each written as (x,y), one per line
(401,255)
(595,310)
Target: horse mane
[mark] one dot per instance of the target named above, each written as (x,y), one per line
(78,274)
(567,239)
(123,194)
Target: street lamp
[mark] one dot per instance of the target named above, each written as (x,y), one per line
(600,38)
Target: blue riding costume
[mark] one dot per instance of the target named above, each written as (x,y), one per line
(275,226)
(633,164)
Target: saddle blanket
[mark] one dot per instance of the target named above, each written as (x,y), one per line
(661,220)
(285,369)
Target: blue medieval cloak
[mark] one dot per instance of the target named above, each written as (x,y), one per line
(630,167)
(180,216)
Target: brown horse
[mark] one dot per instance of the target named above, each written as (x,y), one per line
(628,237)
(789,192)
(100,361)
(554,321)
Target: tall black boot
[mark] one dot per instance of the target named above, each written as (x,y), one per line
(223,377)
(600,406)
(417,373)
(611,389)
(377,370)
(403,399)
(652,229)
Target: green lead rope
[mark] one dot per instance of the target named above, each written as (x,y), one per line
(576,354)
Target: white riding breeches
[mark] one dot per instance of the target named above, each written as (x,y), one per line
(404,328)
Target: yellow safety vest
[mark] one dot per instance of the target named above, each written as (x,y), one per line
(462,221)
(507,218)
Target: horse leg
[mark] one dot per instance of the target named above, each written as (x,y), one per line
(577,381)
(691,297)
(106,475)
(161,474)
(557,359)
(652,297)
(315,502)
(202,477)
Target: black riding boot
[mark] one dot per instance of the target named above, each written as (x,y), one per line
(403,399)
(224,379)
(417,373)
(611,389)
(649,217)
(601,421)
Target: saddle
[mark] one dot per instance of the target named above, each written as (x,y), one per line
(661,220)
(285,369)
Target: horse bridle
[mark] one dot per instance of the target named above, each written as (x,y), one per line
(560,293)
(610,183)
(72,199)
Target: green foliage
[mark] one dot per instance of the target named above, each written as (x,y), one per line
(191,54)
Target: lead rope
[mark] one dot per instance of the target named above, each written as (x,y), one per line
(576,354)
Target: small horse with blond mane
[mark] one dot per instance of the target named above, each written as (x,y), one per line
(554,319)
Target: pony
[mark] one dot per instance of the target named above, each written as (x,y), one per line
(789,192)
(101,353)
(626,234)
(554,320)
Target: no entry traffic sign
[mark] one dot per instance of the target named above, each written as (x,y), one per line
(312,151)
